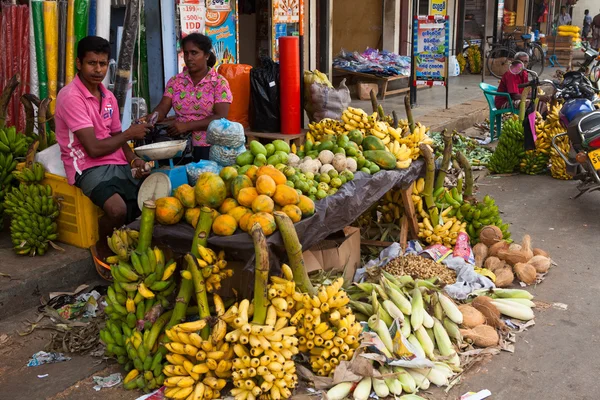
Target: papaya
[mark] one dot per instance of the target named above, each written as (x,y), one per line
(247,196)
(265,185)
(246,158)
(224,225)
(257,148)
(263,203)
(243,223)
(285,195)
(252,173)
(372,143)
(238,183)
(293,211)
(382,158)
(274,159)
(210,190)
(278,176)
(185,194)
(244,169)
(280,145)
(228,205)
(238,212)
(266,221)
(270,149)
(260,160)
(169,210)
(192,215)
(283,157)
(228,173)
(307,206)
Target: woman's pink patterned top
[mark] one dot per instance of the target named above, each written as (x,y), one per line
(195,103)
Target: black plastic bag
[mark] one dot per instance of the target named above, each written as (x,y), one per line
(264,91)
(529,127)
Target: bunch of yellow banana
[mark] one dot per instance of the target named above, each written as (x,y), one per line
(264,365)
(327,126)
(558,167)
(356,118)
(197,368)
(122,242)
(327,328)
(391,206)
(213,268)
(445,234)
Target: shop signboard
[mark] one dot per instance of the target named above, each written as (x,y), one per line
(222,28)
(192,19)
(285,22)
(438,7)
(431,44)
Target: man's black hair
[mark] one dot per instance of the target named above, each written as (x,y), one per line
(95,44)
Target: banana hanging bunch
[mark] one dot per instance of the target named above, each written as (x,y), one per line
(445,233)
(33,210)
(535,161)
(197,367)
(404,146)
(213,268)
(122,242)
(558,167)
(390,206)
(509,152)
(318,131)
(327,328)
(480,215)
(264,353)
(474,59)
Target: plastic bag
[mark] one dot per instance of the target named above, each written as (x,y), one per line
(195,169)
(223,132)
(264,84)
(238,76)
(50,159)
(224,155)
(328,102)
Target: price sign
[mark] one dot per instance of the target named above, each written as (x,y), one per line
(192,18)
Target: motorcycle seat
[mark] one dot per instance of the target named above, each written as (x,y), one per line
(589,125)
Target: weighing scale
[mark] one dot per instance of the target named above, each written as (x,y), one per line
(162,180)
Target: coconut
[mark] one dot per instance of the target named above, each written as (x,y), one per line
(515,247)
(513,257)
(492,316)
(540,263)
(526,246)
(482,335)
(493,263)
(526,273)
(504,277)
(490,234)
(540,252)
(471,316)
(480,251)
(496,247)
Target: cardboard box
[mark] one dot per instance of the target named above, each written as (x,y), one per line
(363,90)
(339,252)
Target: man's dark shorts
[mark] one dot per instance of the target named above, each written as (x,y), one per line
(101,183)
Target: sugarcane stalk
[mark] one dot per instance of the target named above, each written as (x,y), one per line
(202,230)
(429,181)
(261,274)
(374,102)
(446,159)
(466,166)
(409,115)
(7,93)
(200,291)
(29,115)
(523,104)
(157,327)
(459,185)
(42,119)
(294,252)
(146,226)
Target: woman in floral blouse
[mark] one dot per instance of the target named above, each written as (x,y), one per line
(198,95)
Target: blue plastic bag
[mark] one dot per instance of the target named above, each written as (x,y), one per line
(195,169)
(223,132)
(224,155)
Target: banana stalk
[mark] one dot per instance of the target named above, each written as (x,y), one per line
(466,166)
(157,327)
(202,230)
(7,93)
(294,252)
(181,302)
(29,115)
(261,274)
(429,178)
(409,115)
(446,159)
(42,119)
(522,106)
(200,291)
(374,102)
(146,226)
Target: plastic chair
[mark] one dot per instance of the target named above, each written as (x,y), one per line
(490,92)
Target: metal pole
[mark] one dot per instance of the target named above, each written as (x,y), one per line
(412,82)
(301,49)
(447,33)
(324,57)
(484,43)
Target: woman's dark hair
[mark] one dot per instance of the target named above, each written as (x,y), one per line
(202,42)
(95,44)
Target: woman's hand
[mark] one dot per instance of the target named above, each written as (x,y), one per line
(138,166)
(178,129)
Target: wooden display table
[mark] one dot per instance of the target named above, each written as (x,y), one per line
(297,139)
(382,81)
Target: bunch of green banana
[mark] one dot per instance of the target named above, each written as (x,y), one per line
(33,174)
(533,163)
(479,215)
(326,129)
(509,152)
(122,242)
(12,143)
(33,210)
(7,165)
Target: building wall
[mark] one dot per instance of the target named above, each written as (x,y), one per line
(357,24)
(581,6)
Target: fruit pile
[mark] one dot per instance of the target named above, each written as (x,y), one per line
(535,161)
(33,210)
(509,152)
(12,145)
(273,153)
(558,167)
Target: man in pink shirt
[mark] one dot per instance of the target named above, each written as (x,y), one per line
(94,151)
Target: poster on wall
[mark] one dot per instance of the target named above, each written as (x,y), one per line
(222,28)
(285,22)
(438,7)
(191,19)
(431,44)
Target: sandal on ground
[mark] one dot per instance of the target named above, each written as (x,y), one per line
(102,268)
